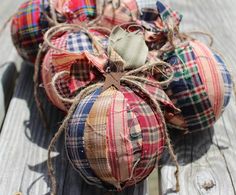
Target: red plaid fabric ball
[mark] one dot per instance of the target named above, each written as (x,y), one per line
(115,138)
(82,67)
(30,23)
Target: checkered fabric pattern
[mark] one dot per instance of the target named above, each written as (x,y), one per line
(187,90)
(111,129)
(79,11)
(152,130)
(28,26)
(95,137)
(228,85)
(79,42)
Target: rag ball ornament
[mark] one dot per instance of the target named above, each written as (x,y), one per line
(35,17)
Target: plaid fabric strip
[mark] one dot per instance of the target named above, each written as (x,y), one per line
(81,71)
(81,10)
(75,145)
(226,78)
(81,74)
(187,90)
(79,42)
(28,26)
(95,137)
(49,69)
(210,74)
(152,136)
(119,147)
(167,14)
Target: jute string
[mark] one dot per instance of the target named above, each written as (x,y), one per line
(39,105)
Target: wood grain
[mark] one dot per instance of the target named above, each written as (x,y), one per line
(207,159)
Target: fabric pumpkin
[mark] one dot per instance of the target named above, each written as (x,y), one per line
(82,66)
(201,86)
(114,138)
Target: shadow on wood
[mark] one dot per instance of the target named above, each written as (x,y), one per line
(189,147)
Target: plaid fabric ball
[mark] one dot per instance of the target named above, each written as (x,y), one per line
(201,87)
(28,26)
(114,138)
(81,65)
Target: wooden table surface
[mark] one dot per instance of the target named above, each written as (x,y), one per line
(207,159)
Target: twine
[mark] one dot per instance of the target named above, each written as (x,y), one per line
(187,35)
(51,21)
(39,105)
(53,12)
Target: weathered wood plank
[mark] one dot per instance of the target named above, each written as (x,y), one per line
(207,158)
